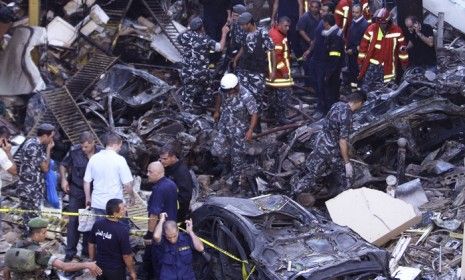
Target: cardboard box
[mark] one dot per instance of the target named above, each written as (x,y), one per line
(374,215)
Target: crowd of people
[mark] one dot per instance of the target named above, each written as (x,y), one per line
(338,44)
(98,178)
(334,43)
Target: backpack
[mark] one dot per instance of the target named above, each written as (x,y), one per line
(21,260)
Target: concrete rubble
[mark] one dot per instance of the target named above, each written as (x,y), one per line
(119,71)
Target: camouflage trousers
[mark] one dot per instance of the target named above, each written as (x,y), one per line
(319,166)
(231,145)
(31,198)
(196,90)
(255,83)
(277,101)
(374,78)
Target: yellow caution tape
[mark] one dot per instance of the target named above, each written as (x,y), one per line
(245,275)
(71,214)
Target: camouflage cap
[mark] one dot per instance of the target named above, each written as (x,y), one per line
(239,9)
(46,127)
(245,18)
(37,223)
(196,23)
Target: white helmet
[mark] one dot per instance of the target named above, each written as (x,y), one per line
(229,81)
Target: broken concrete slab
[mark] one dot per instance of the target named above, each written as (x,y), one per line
(373,214)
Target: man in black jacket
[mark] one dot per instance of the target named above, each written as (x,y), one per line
(334,60)
(356,31)
(179,173)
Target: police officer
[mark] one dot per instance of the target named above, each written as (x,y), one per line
(236,36)
(237,114)
(195,75)
(18,269)
(34,160)
(255,57)
(75,164)
(176,248)
(330,153)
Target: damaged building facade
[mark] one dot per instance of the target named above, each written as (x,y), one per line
(102,66)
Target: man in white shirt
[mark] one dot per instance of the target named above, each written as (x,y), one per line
(6,160)
(109,173)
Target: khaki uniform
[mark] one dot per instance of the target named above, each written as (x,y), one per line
(44,260)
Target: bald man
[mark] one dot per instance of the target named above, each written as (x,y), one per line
(176,249)
(162,200)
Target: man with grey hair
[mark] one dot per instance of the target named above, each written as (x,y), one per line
(72,170)
(109,173)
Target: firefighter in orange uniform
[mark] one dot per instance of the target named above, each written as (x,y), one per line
(382,47)
(282,84)
(343,13)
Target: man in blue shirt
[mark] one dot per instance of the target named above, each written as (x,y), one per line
(306,27)
(72,170)
(163,199)
(317,61)
(109,244)
(176,249)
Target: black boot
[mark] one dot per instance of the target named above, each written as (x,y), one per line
(235,188)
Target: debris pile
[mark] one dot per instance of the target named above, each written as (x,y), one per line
(115,67)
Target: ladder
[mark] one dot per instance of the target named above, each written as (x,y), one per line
(85,78)
(164,21)
(67,113)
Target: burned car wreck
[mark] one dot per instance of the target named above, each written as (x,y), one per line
(283,241)
(423,113)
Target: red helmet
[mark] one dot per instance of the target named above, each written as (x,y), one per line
(382,15)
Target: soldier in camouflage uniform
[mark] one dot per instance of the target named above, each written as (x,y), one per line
(34,159)
(330,153)
(255,57)
(238,118)
(43,259)
(195,75)
(235,38)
